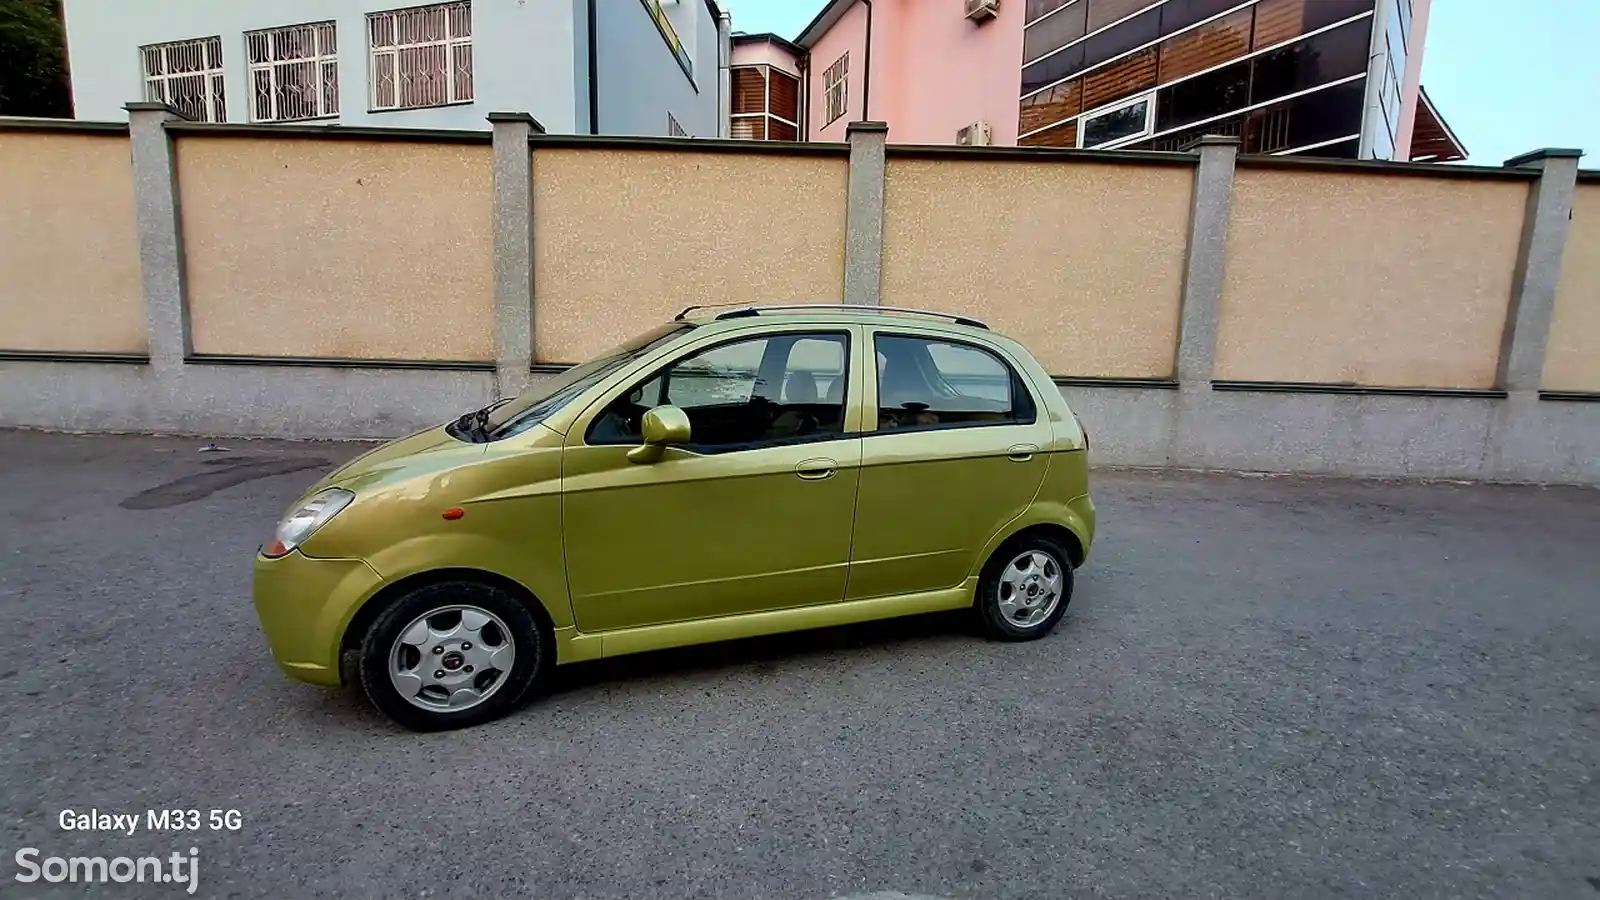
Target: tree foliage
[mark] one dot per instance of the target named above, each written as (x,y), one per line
(33,60)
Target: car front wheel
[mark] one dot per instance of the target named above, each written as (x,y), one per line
(1024,589)
(452,654)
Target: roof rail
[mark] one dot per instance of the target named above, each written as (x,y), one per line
(689,309)
(746,311)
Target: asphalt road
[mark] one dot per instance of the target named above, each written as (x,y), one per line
(1264,688)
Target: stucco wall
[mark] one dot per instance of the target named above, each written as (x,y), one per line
(952,72)
(1572,362)
(765,53)
(522,56)
(934,71)
(848,35)
(1082,263)
(69,247)
(641,81)
(1380,280)
(624,239)
(365,250)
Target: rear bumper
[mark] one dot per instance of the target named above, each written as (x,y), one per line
(1083,521)
(304,605)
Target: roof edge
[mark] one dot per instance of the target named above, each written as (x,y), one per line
(767,37)
(1422,94)
(830,13)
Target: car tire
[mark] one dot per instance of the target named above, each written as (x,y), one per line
(396,652)
(1007,611)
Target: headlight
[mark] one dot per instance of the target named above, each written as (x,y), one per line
(303,522)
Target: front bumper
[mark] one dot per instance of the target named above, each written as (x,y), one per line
(305,604)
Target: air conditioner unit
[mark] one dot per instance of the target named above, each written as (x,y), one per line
(982,10)
(978,134)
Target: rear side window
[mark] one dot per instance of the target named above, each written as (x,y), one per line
(928,383)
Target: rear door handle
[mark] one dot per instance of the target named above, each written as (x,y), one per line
(816,469)
(1022,452)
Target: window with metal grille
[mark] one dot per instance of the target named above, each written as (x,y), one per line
(673,128)
(187,76)
(834,83)
(294,72)
(421,56)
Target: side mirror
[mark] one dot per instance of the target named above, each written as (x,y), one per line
(662,427)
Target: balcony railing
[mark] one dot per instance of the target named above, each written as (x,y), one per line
(664,25)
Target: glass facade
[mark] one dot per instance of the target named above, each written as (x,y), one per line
(1396,33)
(1281,74)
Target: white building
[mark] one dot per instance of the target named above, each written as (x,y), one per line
(639,67)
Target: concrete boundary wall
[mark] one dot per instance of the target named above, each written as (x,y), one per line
(1508,430)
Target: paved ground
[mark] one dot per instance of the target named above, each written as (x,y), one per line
(1265,688)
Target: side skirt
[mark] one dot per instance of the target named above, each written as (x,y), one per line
(575,646)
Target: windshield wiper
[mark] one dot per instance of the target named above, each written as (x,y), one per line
(475,424)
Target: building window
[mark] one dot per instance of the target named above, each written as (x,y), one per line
(1056,48)
(1133,119)
(1323,120)
(834,88)
(294,72)
(673,128)
(421,56)
(1238,60)
(766,104)
(187,76)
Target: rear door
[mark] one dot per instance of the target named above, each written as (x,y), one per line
(957,449)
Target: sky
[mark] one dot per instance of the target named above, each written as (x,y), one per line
(1506,82)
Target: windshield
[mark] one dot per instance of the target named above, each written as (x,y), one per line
(538,403)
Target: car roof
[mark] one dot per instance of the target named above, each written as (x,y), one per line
(830,314)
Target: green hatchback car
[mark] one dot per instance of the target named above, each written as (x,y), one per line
(728,474)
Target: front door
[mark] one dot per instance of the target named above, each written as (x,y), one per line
(958,451)
(754,514)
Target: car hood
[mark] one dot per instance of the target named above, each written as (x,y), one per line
(425,451)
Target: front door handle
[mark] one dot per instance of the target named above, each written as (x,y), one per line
(816,469)
(1022,452)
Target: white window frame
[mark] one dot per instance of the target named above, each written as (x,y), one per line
(1246,109)
(389,55)
(1318,145)
(1089,34)
(835,90)
(1148,97)
(1141,48)
(158,88)
(322,62)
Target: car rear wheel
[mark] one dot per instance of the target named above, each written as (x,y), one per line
(1024,589)
(453,654)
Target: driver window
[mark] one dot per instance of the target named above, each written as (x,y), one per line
(784,388)
(928,383)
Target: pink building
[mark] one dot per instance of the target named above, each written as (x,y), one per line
(1319,77)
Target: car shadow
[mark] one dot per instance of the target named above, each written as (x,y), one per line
(347,710)
(763,654)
